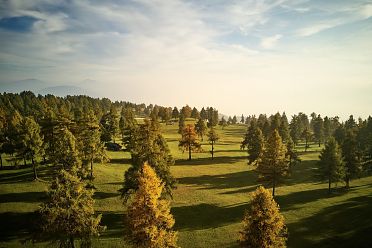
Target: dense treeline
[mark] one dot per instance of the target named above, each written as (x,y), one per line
(273,142)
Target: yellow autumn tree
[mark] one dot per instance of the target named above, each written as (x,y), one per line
(263,225)
(148,216)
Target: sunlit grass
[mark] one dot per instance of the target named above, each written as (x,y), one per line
(210,198)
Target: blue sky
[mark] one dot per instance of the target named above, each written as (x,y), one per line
(239,56)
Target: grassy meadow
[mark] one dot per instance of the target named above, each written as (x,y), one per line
(209,201)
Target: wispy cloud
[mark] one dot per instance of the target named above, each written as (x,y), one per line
(270,42)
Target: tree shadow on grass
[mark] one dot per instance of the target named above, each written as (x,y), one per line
(19,226)
(114,221)
(206,161)
(29,197)
(304,172)
(204,216)
(222,181)
(104,195)
(45,173)
(348,224)
(120,161)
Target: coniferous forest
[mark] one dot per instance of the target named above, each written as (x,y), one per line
(78,171)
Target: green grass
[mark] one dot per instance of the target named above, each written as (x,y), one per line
(210,199)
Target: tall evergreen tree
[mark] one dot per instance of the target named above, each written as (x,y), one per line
(91,147)
(189,140)
(254,141)
(181,124)
(331,164)
(201,128)
(175,113)
(234,120)
(242,119)
(148,145)
(318,127)
(284,128)
(291,153)
(32,142)
(352,157)
(148,216)
(2,133)
(195,113)
(223,122)
(68,214)
(263,225)
(212,138)
(273,165)
(307,134)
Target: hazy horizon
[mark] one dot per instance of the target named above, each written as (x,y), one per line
(242,57)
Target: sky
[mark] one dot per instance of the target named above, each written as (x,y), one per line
(242,57)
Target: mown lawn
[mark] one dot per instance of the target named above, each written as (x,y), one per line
(209,201)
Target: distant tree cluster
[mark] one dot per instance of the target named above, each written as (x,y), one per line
(271,145)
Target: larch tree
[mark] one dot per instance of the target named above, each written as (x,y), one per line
(330,164)
(254,141)
(148,216)
(201,128)
(263,225)
(2,133)
(32,142)
(148,145)
(273,165)
(66,155)
(212,138)
(189,140)
(68,214)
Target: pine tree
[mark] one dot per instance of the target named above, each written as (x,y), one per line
(91,147)
(148,145)
(331,165)
(291,153)
(284,128)
(181,124)
(68,214)
(234,120)
(189,140)
(254,141)
(351,156)
(212,138)
(148,216)
(242,119)
(318,127)
(201,128)
(307,135)
(223,122)
(32,142)
(263,225)
(273,164)
(2,133)
(195,113)
(175,113)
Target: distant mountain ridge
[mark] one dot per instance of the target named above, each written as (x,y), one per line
(42,88)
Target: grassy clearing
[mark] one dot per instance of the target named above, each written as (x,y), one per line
(210,199)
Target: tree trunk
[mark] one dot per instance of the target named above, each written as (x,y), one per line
(91,169)
(24,161)
(212,151)
(347,179)
(329,185)
(189,152)
(72,242)
(305,145)
(274,178)
(1,161)
(34,167)
(319,143)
